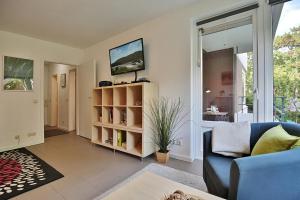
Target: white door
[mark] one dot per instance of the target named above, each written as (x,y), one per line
(229,70)
(54,101)
(86,83)
(72,100)
(224,74)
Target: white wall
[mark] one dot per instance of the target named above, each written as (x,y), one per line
(63,93)
(167,56)
(22,112)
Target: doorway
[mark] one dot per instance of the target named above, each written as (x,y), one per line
(227,66)
(60,99)
(224,72)
(227,49)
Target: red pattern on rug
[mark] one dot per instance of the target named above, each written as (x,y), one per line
(9,170)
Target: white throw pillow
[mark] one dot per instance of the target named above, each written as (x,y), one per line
(231,139)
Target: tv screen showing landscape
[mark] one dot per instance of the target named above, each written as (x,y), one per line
(127,57)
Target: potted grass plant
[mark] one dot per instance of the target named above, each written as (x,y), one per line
(166,119)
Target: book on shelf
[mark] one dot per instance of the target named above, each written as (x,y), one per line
(119,138)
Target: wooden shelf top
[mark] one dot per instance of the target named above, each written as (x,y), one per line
(123,85)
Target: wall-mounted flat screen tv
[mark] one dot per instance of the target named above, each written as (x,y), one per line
(127,58)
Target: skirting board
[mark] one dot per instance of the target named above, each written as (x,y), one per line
(185,158)
(63,128)
(181,157)
(200,156)
(21,145)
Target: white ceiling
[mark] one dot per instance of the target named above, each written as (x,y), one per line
(240,37)
(80,23)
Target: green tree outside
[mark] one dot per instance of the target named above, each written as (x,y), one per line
(286,63)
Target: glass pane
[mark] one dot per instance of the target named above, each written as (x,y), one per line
(286,61)
(18,74)
(228,74)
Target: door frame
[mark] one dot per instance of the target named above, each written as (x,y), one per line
(77,102)
(264,65)
(54,82)
(76,99)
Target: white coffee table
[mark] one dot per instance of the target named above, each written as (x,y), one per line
(149,186)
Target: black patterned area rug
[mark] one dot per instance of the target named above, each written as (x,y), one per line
(21,171)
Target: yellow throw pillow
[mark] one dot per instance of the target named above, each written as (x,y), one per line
(296,145)
(274,140)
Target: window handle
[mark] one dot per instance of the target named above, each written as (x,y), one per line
(255,91)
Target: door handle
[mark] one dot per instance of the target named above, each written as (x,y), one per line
(255,91)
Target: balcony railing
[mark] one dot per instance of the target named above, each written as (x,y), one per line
(280,109)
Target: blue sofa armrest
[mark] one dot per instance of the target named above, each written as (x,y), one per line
(273,176)
(207,149)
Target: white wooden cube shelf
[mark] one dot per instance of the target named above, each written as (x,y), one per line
(122,110)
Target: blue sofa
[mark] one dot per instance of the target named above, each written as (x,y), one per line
(274,176)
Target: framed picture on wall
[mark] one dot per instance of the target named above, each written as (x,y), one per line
(227,78)
(63,80)
(18,74)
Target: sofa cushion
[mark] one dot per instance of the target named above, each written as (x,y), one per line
(274,140)
(296,145)
(231,139)
(218,172)
(258,129)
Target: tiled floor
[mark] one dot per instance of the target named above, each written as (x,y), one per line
(89,170)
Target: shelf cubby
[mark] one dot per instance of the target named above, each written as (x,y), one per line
(97,114)
(107,115)
(134,142)
(120,116)
(134,95)
(97,97)
(107,136)
(135,117)
(97,137)
(121,139)
(107,97)
(120,96)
